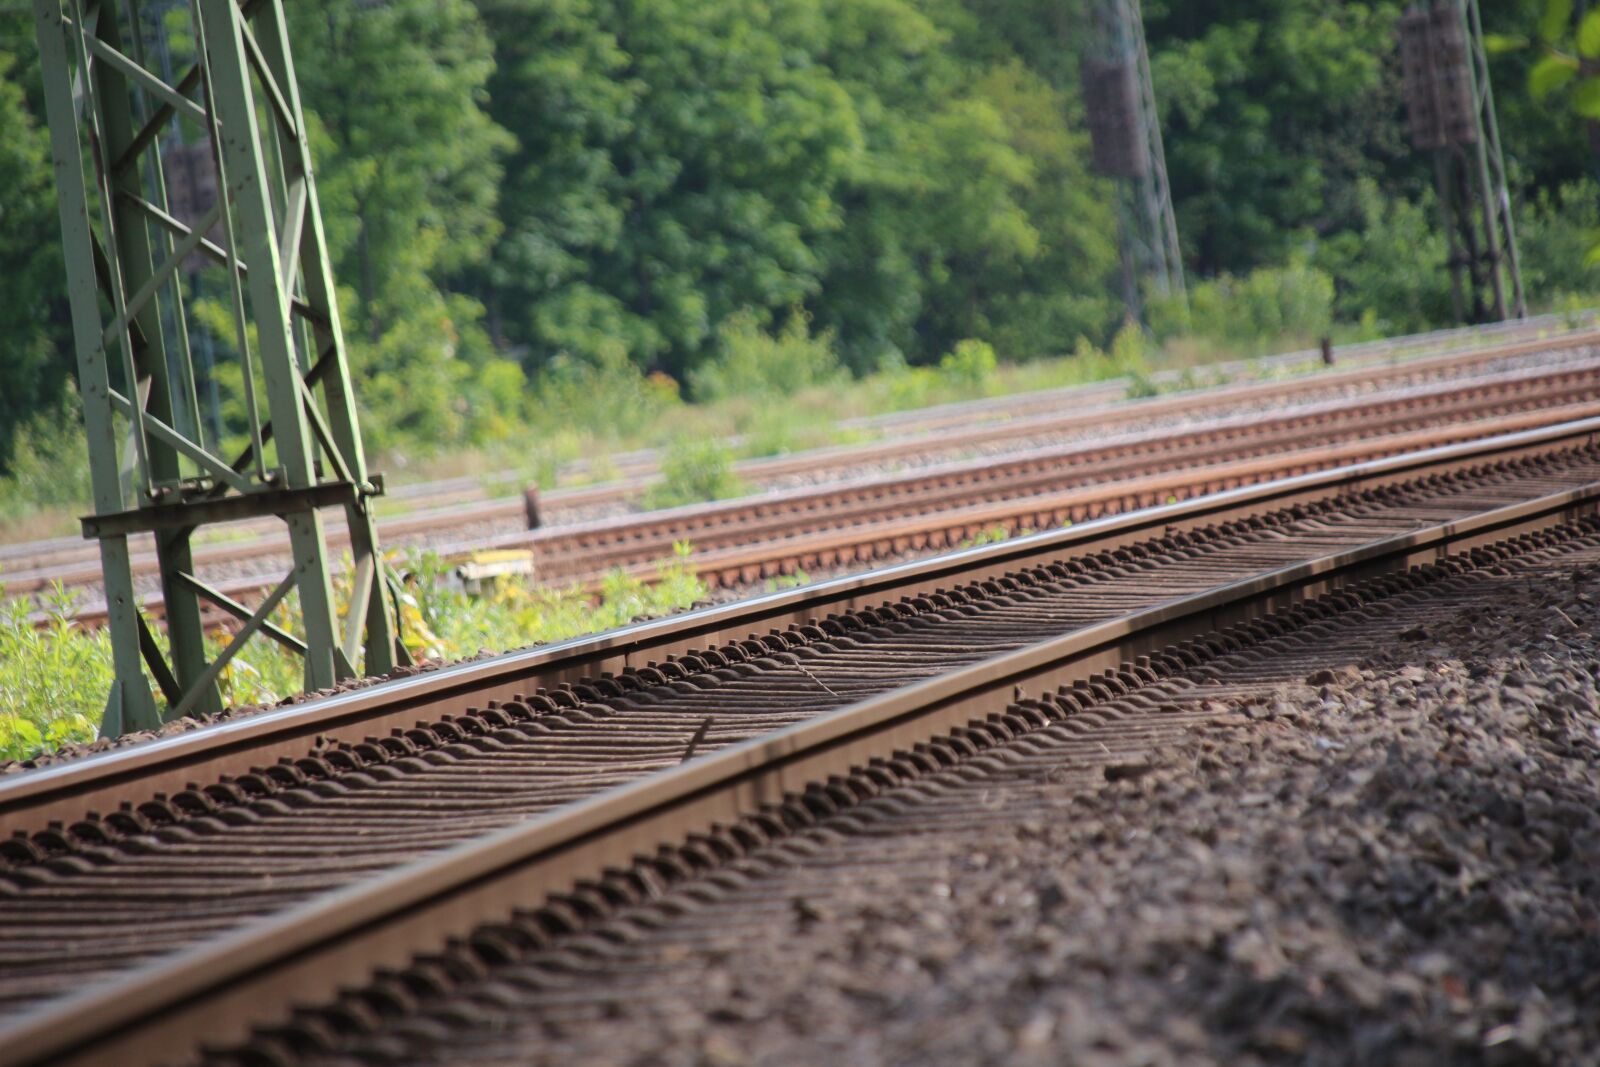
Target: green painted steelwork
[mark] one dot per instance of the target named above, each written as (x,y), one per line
(1451,111)
(134,258)
(1494,191)
(1147,224)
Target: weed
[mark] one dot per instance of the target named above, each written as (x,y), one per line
(54,679)
(693,470)
(47,475)
(992,535)
(788,581)
(1141,387)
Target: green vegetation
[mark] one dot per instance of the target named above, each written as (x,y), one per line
(570,228)
(788,581)
(47,482)
(695,469)
(971,362)
(553,217)
(611,407)
(442,622)
(54,679)
(753,364)
(991,535)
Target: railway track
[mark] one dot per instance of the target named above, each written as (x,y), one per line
(741,540)
(75,565)
(653,959)
(744,540)
(188,918)
(634,470)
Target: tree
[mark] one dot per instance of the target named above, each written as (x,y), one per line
(892,167)
(1392,272)
(677,162)
(408,175)
(1536,58)
(1274,111)
(34,355)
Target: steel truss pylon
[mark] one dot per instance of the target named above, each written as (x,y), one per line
(1126,131)
(1451,111)
(130,260)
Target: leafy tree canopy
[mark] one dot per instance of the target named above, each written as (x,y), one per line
(555,189)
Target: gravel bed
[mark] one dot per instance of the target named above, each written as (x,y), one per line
(1382,847)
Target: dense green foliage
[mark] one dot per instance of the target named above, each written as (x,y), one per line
(532,202)
(1275,112)
(409,177)
(34,355)
(682,162)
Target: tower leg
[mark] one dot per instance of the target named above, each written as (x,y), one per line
(381,655)
(316,599)
(184,620)
(131,706)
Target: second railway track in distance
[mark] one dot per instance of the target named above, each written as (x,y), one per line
(31,567)
(750,538)
(540,777)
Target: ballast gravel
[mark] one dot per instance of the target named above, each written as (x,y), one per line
(1393,860)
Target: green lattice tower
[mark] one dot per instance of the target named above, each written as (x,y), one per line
(1125,132)
(1451,113)
(115,119)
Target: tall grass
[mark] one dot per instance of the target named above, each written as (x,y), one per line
(54,678)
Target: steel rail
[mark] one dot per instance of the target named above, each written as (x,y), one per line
(1029,415)
(68,791)
(214,992)
(1370,357)
(585,552)
(760,527)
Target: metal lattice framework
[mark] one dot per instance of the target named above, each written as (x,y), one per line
(1125,130)
(120,112)
(1450,110)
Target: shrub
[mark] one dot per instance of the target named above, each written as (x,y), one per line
(606,395)
(1127,355)
(49,465)
(905,386)
(52,678)
(1266,307)
(750,362)
(1390,275)
(693,470)
(971,363)
(1555,232)
(1091,363)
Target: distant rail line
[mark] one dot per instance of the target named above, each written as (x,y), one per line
(957,430)
(1169,448)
